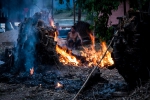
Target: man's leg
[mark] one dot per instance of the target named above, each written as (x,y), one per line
(70,43)
(77,44)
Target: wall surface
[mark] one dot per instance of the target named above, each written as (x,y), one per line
(118,13)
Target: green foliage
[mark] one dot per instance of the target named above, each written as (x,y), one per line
(94,9)
(138,4)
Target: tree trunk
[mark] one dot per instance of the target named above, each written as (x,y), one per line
(79,14)
(74,11)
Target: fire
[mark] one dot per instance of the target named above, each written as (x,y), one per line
(66,57)
(31,71)
(107,59)
(51,22)
(93,56)
(55,36)
(93,40)
(58,85)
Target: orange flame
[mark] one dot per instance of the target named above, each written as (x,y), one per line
(107,59)
(91,54)
(92,40)
(55,36)
(51,22)
(31,71)
(66,57)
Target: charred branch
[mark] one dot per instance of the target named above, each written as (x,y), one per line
(129,48)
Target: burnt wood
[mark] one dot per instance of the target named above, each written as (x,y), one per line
(130,50)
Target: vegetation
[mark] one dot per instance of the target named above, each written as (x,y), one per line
(99,11)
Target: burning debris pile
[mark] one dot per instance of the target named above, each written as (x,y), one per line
(38,57)
(33,61)
(88,56)
(39,60)
(35,45)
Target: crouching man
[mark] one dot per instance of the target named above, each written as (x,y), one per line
(74,39)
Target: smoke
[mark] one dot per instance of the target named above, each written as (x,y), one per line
(25,53)
(25,11)
(17,10)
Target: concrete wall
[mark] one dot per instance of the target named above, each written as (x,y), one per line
(118,13)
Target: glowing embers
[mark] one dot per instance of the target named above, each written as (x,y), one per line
(58,85)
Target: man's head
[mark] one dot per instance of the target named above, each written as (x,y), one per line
(73,28)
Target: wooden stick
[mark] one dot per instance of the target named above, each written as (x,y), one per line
(94,68)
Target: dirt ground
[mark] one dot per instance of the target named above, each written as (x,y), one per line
(23,92)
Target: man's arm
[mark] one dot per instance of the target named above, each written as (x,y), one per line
(80,37)
(68,36)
